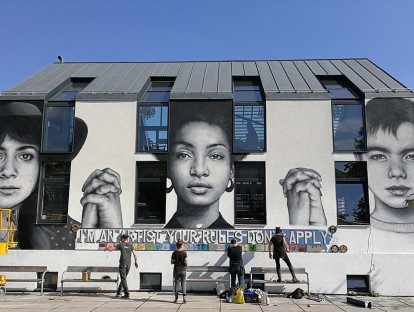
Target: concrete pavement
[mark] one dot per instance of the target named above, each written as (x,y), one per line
(163,301)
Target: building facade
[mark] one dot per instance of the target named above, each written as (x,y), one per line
(210,151)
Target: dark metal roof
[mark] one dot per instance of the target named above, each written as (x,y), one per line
(209,80)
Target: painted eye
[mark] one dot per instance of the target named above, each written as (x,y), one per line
(26,156)
(183,155)
(409,157)
(379,157)
(216,156)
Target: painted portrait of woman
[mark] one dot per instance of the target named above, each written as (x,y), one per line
(20,164)
(200,162)
(20,160)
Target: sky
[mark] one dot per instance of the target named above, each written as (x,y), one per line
(34,32)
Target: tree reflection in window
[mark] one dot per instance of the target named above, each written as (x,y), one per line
(352,193)
(153,118)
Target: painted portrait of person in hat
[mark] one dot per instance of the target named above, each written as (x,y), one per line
(20,160)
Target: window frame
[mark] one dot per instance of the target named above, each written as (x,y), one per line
(255,88)
(356,98)
(162,180)
(54,181)
(45,123)
(262,179)
(363,181)
(349,102)
(69,87)
(144,102)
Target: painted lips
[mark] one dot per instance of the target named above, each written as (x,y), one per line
(8,190)
(398,190)
(199,187)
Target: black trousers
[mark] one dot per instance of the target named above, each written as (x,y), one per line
(283,255)
(124,268)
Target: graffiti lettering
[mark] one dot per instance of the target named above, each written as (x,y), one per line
(163,238)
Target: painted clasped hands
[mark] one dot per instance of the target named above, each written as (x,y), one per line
(100,201)
(301,187)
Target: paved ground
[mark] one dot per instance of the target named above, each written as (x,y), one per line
(143,301)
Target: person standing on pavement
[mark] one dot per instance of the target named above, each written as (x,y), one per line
(180,260)
(127,249)
(280,249)
(234,252)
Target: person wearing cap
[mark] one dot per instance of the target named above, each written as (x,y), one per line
(234,252)
(280,249)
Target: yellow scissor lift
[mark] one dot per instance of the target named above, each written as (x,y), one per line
(7,231)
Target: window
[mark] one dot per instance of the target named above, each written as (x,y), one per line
(58,128)
(358,283)
(352,192)
(339,89)
(150,281)
(59,118)
(153,118)
(347,116)
(249,116)
(68,94)
(250,193)
(54,192)
(151,192)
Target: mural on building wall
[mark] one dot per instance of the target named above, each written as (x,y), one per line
(390,166)
(201,169)
(300,240)
(390,163)
(20,159)
(302,190)
(101,200)
(200,162)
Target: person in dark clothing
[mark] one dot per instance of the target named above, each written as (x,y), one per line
(126,248)
(236,263)
(280,249)
(180,260)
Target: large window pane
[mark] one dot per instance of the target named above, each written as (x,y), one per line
(246,85)
(249,128)
(72,89)
(250,191)
(151,192)
(352,193)
(54,192)
(152,119)
(58,129)
(161,86)
(249,116)
(248,96)
(153,128)
(156,97)
(348,127)
(339,89)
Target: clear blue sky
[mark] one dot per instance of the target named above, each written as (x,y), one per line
(33,33)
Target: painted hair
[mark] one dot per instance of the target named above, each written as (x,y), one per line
(20,121)
(388,114)
(217,114)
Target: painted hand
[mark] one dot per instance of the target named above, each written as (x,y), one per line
(100,201)
(301,187)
